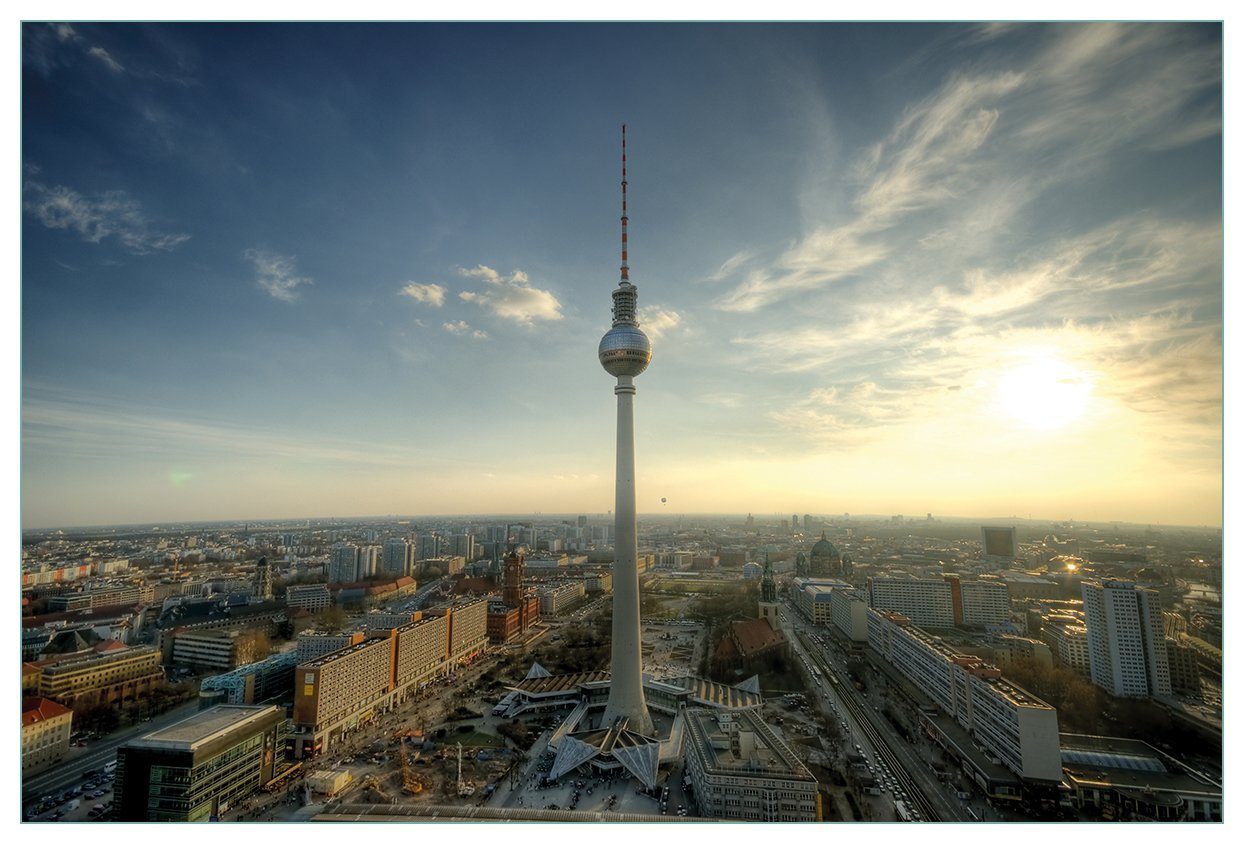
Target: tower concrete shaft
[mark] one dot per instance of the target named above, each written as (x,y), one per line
(626,687)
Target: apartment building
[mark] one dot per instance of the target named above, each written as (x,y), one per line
(1017,728)
(1127,644)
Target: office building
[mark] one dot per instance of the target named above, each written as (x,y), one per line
(311,597)
(114,675)
(46,727)
(199,768)
(1019,729)
(555,599)
(740,769)
(1127,645)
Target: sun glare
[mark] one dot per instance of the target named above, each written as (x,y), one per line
(1044,392)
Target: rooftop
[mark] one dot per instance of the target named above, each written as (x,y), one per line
(36,709)
(741,743)
(192,733)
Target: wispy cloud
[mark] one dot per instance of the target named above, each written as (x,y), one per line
(277,275)
(461,328)
(432,295)
(511,296)
(995,139)
(44,47)
(108,61)
(113,214)
(89,426)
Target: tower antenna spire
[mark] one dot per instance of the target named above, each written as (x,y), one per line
(626,272)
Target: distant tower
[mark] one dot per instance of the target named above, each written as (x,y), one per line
(768,595)
(263,580)
(512,593)
(625,353)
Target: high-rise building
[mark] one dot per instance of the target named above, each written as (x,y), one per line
(369,561)
(998,545)
(343,565)
(1127,646)
(625,352)
(399,557)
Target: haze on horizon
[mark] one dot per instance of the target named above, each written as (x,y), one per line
(886,269)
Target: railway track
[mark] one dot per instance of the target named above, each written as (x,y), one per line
(863,720)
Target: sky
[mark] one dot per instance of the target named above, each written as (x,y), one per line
(280,271)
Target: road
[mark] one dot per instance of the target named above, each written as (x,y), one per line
(923,790)
(93,757)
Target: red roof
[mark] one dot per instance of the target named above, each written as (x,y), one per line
(754,636)
(36,709)
(109,645)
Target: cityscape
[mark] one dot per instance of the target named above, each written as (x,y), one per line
(567,616)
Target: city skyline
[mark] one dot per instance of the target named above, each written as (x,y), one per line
(265,283)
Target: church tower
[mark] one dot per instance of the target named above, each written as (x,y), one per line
(768,596)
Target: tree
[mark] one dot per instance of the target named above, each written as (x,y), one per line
(331,619)
(96,718)
(253,646)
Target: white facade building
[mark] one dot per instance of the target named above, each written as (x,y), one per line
(848,611)
(1019,729)
(1126,642)
(926,602)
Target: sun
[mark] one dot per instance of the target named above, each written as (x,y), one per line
(1044,392)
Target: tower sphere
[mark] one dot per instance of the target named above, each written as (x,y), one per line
(625,350)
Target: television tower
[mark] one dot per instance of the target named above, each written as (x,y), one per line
(624,353)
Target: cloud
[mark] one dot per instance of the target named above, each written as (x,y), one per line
(512,296)
(111,214)
(65,422)
(277,275)
(462,328)
(425,294)
(109,62)
(989,141)
(657,321)
(43,47)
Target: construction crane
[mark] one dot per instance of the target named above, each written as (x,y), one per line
(465,789)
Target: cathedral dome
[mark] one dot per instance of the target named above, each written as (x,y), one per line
(824,548)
